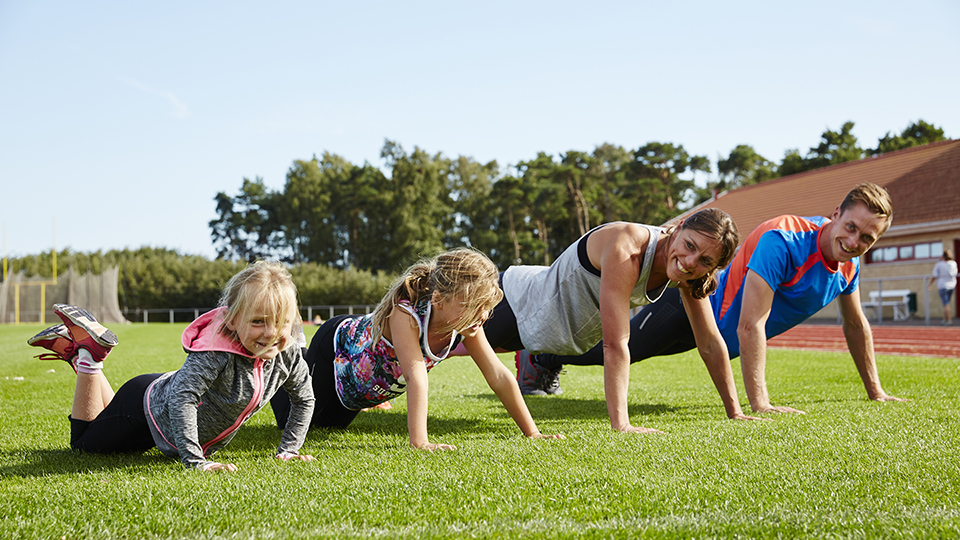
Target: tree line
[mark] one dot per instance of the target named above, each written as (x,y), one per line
(347,229)
(335,213)
(159,278)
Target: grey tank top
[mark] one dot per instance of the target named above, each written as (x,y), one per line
(558,306)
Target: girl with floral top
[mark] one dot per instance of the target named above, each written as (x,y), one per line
(362,361)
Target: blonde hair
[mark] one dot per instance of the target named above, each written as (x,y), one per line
(260,284)
(873,197)
(717,225)
(463,274)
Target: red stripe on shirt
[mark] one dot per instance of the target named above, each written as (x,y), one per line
(738,268)
(811,261)
(849,270)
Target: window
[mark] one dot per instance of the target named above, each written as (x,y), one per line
(906,252)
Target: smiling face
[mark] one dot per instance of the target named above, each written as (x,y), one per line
(260,333)
(691,255)
(851,233)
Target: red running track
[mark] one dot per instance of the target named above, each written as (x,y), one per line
(942,342)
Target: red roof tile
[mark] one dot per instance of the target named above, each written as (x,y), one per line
(923,182)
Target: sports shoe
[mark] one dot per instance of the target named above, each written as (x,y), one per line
(55,339)
(86,332)
(535,380)
(385,406)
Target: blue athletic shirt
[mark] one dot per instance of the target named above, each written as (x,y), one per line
(785,252)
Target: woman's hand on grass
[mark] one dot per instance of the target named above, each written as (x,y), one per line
(741,416)
(287,456)
(213,466)
(637,429)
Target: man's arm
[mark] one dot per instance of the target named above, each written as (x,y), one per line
(713,351)
(859,336)
(754,311)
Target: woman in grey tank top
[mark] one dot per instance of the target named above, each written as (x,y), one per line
(587,293)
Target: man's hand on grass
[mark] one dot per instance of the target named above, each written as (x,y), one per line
(888,397)
(779,409)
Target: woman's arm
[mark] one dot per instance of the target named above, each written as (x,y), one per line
(619,251)
(405,334)
(503,384)
(713,351)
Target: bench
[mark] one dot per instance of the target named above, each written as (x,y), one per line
(898,299)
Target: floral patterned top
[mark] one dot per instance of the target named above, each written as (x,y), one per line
(368,374)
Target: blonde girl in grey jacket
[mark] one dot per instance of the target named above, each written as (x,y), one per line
(239,355)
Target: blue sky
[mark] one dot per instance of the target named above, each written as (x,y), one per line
(121,121)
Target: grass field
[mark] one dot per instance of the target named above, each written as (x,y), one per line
(849,468)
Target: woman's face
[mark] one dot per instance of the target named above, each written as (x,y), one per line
(691,255)
(259,335)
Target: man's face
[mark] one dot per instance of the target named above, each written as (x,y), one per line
(851,233)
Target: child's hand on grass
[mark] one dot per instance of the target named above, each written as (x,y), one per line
(539,435)
(213,466)
(430,447)
(287,456)
(637,429)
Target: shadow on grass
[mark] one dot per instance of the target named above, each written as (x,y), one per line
(46,462)
(383,423)
(558,407)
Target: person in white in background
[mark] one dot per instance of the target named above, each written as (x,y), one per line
(945,276)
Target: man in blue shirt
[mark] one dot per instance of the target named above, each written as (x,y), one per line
(786,270)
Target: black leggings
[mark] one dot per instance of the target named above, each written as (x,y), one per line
(660,329)
(328,411)
(501,328)
(121,427)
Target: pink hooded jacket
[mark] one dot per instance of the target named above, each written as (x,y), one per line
(196,410)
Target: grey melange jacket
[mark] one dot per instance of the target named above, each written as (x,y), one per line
(196,410)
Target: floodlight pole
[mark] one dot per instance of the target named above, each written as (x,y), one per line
(54,250)
(43,284)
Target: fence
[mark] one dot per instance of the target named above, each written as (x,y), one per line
(189,314)
(874,297)
(916,284)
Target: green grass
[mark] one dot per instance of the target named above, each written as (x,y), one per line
(850,468)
